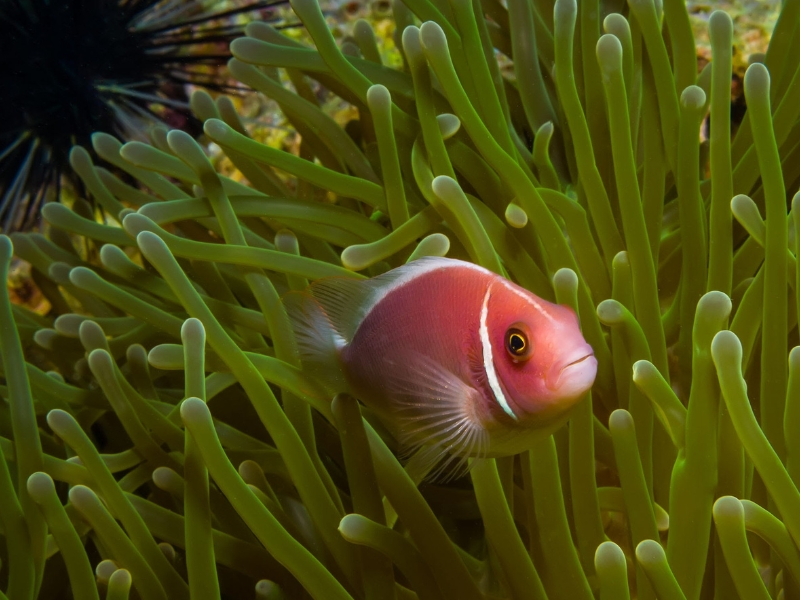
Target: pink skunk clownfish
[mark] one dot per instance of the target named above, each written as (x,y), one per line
(451,357)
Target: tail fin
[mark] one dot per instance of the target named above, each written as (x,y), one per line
(318,341)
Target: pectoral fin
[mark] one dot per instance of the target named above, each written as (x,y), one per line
(435,418)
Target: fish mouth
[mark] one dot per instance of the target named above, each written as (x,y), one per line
(576,374)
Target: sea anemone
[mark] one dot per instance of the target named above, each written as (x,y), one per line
(160,429)
(74,67)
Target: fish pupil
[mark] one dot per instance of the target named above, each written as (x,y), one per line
(516,342)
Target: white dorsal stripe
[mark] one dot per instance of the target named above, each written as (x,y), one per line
(408,273)
(417,268)
(488,360)
(528,299)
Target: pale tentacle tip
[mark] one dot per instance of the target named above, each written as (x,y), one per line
(39,486)
(59,420)
(620,420)
(516,216)
(727,347)
(728,507)
(609,556)
(352,527)
(650,552)
(194,410)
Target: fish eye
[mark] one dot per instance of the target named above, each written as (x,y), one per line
(517,343)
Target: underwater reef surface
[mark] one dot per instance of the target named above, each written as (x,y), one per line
(162,439)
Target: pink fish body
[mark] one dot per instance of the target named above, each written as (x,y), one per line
(451,356)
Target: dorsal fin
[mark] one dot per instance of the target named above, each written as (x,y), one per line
(317,341)
(344,301)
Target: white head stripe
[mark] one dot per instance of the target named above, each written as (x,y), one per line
(488,361)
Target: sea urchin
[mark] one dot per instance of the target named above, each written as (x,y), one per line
(73,67)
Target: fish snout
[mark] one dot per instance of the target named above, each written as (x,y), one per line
(574,374)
